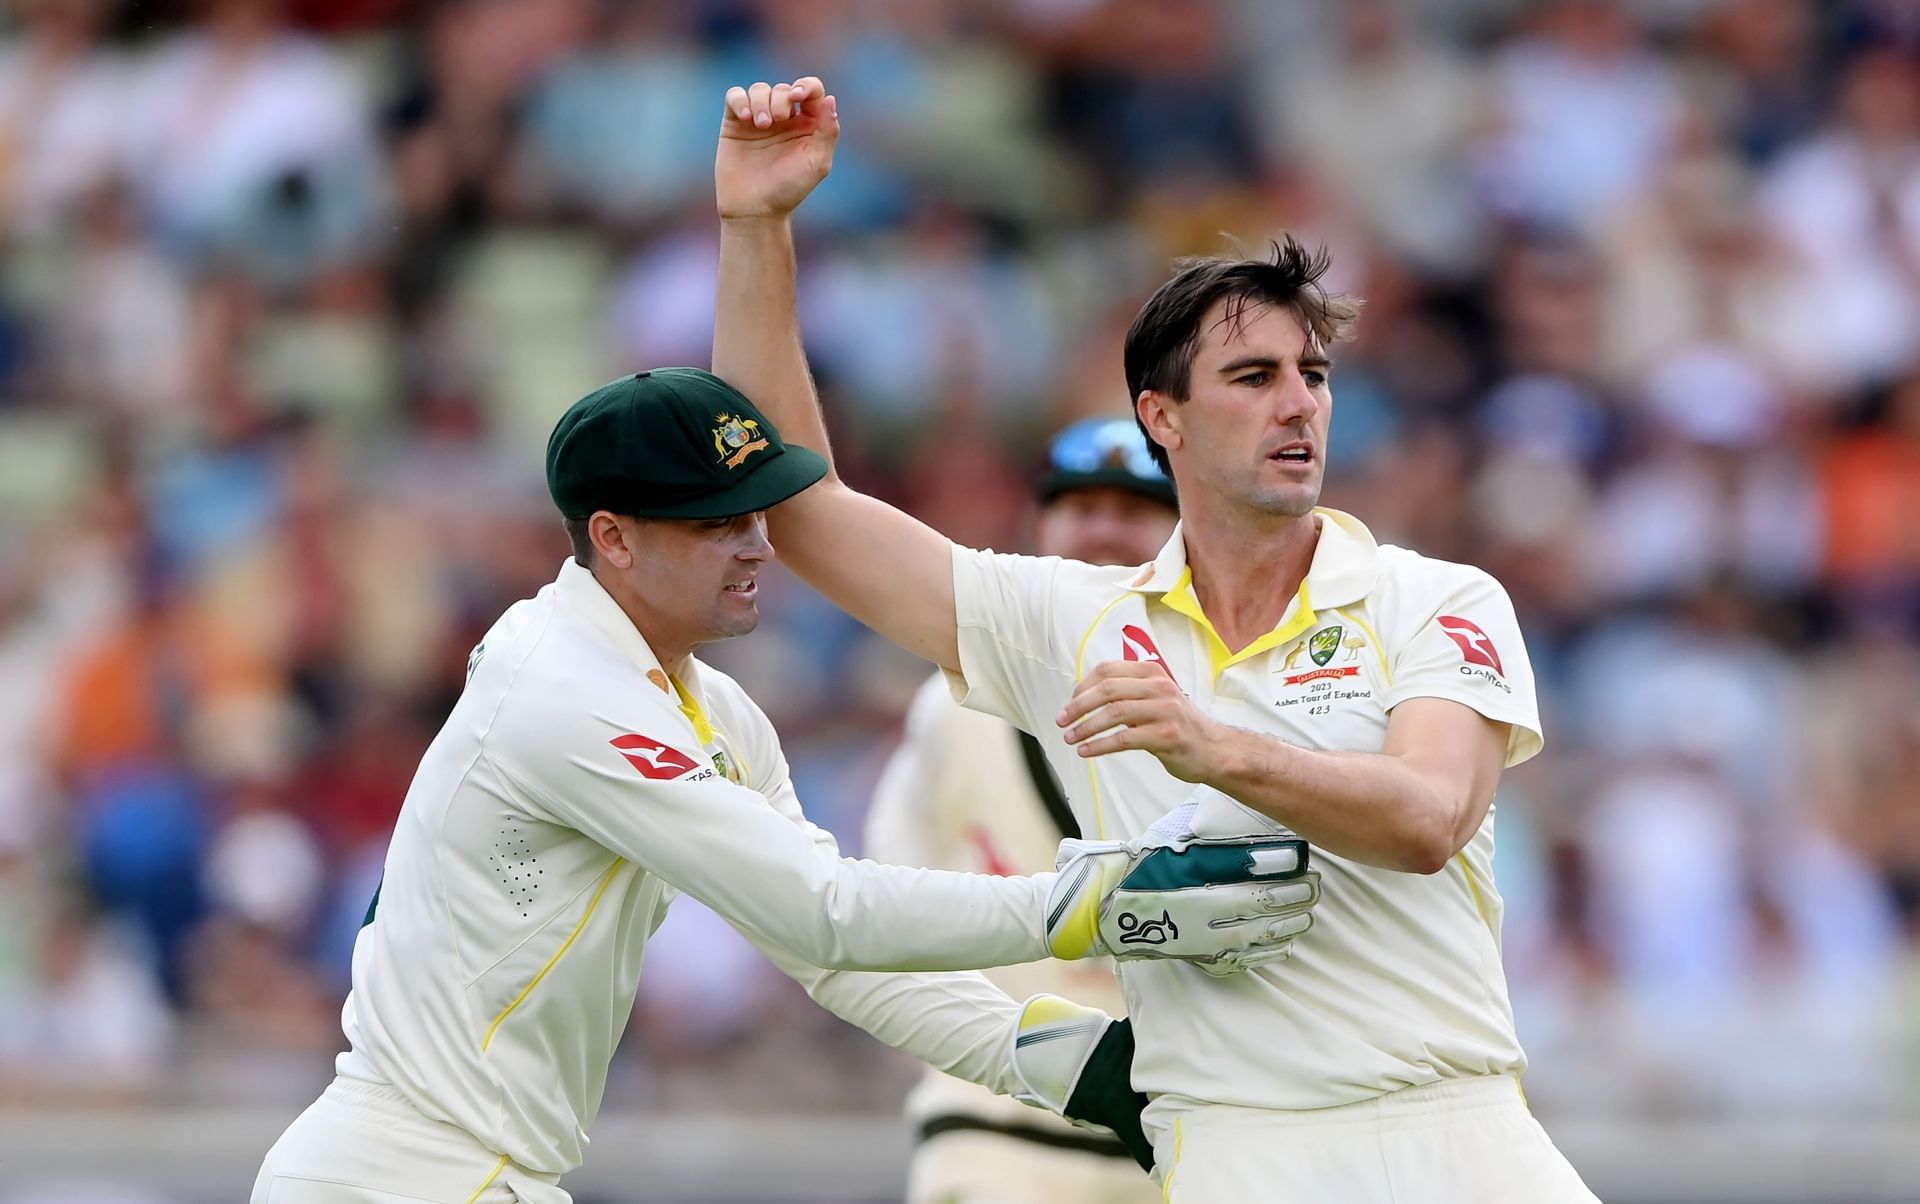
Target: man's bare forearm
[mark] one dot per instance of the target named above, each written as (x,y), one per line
(878,564)
(1371,807)
(756,328)
(882,566)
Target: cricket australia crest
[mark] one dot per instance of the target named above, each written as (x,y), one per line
(736,439)
(1322,644)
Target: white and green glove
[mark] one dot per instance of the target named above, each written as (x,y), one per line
(1077,1062)
(1223,903)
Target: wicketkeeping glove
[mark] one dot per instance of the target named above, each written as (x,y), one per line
(1077,1062)
(1223,903)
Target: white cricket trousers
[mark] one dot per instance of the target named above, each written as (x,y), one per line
(1458,1141)
(363,1143)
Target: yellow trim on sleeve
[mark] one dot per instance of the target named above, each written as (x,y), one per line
(1179,1140)
(1379,649)
(497,1168)
(1080,671)
(606,880)
(1473,888)
(1183,600)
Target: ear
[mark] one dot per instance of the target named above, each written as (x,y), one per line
(1160,414)
(612,539)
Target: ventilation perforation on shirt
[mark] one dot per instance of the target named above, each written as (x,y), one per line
(517,866)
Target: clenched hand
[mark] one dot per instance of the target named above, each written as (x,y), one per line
(776,144)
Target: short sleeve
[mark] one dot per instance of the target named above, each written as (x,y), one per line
(1009,663)
(1468,648)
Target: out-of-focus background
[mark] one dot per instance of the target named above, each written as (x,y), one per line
(292,292)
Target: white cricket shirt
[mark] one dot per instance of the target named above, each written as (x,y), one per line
(959,794)
(573,791)
(1399,982)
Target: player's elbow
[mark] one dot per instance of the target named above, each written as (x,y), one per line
(823,947)
(1427,847)
(833,953)
(819,936)
(1424,855)
(827,933)
(847,963)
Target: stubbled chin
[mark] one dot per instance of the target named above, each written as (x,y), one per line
(742,619)
(1291,500)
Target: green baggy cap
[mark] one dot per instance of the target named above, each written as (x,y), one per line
(672,443)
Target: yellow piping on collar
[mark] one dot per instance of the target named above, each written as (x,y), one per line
(695,713)
(1182,600)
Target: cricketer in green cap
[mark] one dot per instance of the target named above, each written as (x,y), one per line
(672,443)
(663,479)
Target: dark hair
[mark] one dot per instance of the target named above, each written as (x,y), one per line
(1165,334)
(578,534)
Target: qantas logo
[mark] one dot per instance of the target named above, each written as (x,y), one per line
(1474,644)
(654,760)
(1137,645)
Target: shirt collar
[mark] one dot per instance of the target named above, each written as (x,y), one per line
(581,593)
(1344,568)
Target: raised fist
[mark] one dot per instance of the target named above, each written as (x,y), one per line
(776,144)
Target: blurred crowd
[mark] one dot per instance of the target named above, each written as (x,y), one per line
(293,290)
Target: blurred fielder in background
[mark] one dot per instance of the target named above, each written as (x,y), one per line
(966,791)
(1307,678)
(593,769)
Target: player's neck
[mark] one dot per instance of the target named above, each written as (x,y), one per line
(1246,573)
(674,661)
(671,650)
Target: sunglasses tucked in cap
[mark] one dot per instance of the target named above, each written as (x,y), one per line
(672,443)
(1107,452)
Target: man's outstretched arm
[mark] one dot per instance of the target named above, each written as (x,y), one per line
(879,564)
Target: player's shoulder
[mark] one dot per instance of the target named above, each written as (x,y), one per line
(1412,590)
(1102,580)
(1082,590)
(730,705)
(746,728)
(514,650)
(1411,578)
(1056,575)
(555,671)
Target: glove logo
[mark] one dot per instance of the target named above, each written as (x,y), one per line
(656,761)
(1135,931)
(1474,643)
